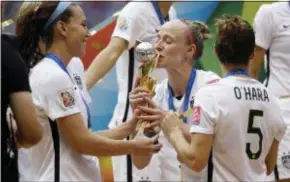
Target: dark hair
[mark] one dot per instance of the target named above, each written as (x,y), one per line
(200,32)
(30,29)
(235,40)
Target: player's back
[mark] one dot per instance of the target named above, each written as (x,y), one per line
(247,121)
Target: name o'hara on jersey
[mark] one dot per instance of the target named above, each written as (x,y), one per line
(251,93)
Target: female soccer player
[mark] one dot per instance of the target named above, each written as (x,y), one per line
(180,44)
(236,117)
(66,150)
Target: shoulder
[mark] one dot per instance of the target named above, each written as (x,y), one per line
(76,62)
(47,73)
(264,11)
(11,59)
(76,65)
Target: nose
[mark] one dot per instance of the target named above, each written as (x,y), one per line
(158,46)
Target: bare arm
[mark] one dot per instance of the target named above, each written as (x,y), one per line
(105,61)
(196,154)
(28,127)
(86,142)
(272,157)
(256,63)
(120,132)
(141,161)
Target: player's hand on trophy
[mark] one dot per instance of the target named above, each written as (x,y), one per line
(145,145)
(153,114)
(137,97)
(171,122)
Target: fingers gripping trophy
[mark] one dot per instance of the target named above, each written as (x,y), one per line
(147,55)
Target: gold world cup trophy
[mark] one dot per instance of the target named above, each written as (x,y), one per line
(147,55)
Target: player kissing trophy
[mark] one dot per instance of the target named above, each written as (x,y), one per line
(147,55)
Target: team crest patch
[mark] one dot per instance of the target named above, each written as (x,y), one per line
(191,102)
(67,98)
(196,115)
(286,160)
(122,23)
(78,81)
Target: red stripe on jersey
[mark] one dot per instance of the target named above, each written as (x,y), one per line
(196,115)
(213,81)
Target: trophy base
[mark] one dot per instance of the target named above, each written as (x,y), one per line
(150,134)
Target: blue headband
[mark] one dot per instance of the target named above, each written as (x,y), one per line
(61,7)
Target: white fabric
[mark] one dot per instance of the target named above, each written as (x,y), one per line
(137,22)
(164,166)
(48,82)
(272,32)
(224,112)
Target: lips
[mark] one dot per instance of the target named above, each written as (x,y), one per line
(160,59)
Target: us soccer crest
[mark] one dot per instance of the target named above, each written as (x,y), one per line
(191,102)
(78,81)
(67,98)
(286,160)
(122,23)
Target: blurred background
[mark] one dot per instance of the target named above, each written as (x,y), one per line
(101,17)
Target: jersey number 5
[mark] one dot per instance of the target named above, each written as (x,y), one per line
(254,130)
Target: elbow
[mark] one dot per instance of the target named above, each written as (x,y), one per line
(270,168)
(268,172)
(140,166)
(191,161)
(197,167)
(140,162)
(78,144)
(31,139)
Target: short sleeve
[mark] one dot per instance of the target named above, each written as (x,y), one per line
(15,72)
(172,13)
(130,24)
(280,130)
(205,112)
(264,26)
(60,96)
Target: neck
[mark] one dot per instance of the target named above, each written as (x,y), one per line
(178,79)
(230,67)
(61,52)
(165,6)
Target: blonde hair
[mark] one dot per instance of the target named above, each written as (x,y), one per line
(26,10)
(200,32)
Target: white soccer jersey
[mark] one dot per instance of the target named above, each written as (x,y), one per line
(272,33)
(244,118)
(164,166)
(137,22)
(56,95)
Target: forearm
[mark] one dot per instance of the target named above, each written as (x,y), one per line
(256,63)
(185,130)
(181,145)
(255,67)
(120,132)
(96,145)
(102,64)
